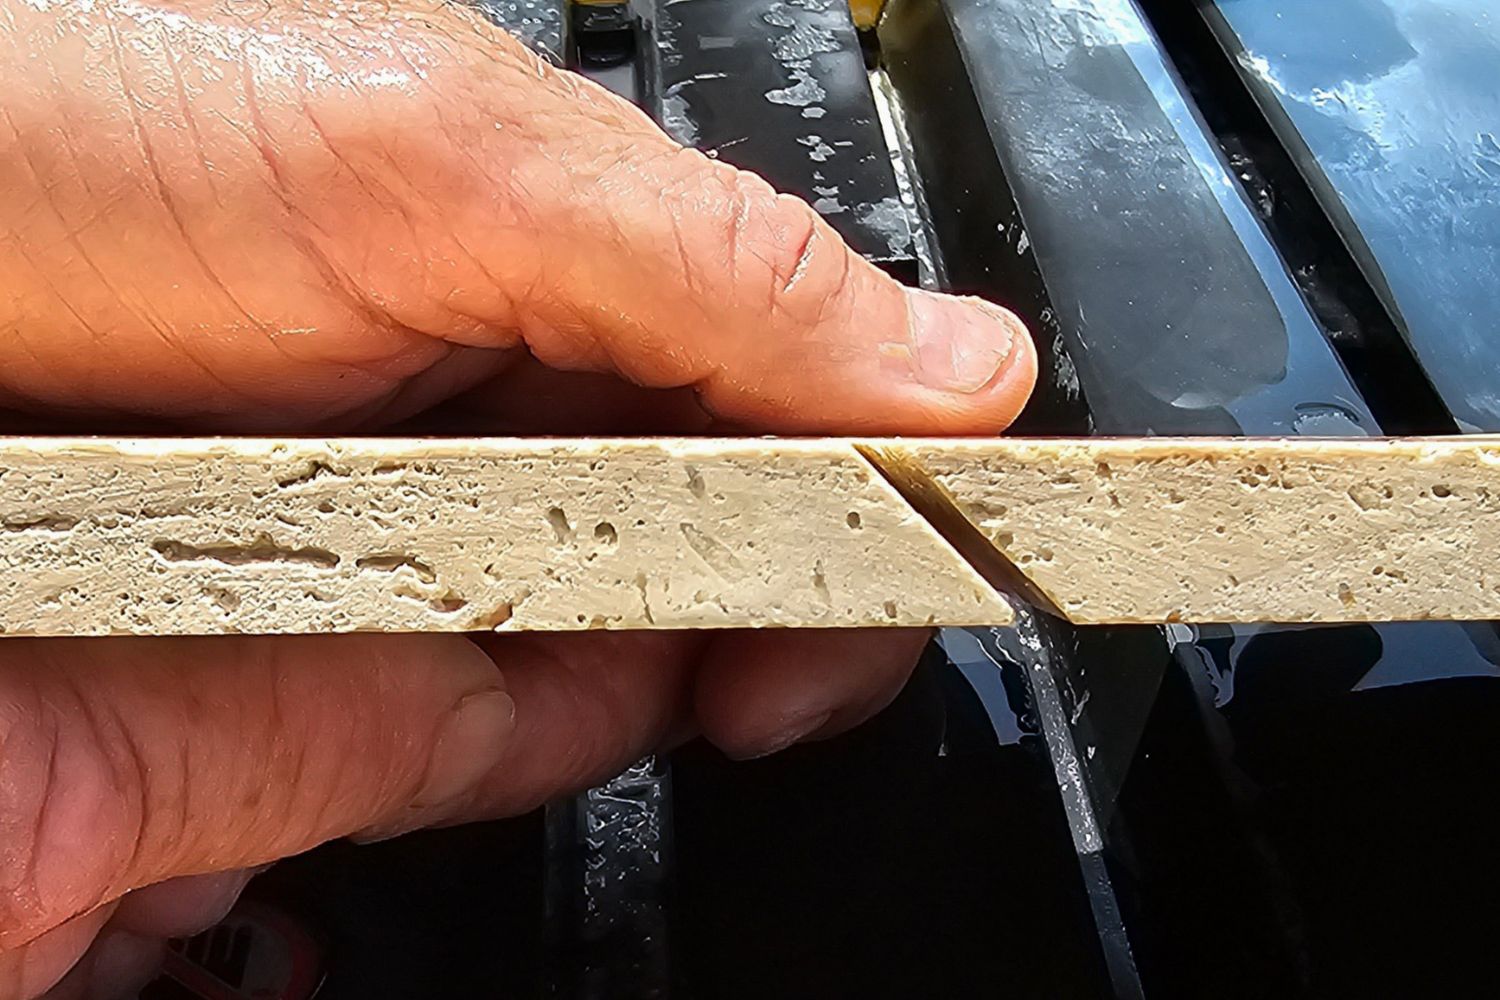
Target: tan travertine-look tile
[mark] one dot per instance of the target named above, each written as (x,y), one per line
(1239,530)
(170,536)
(203,536)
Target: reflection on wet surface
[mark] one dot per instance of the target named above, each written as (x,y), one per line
(1123,232)
(1327,786)
(1395,106)
(1396,653)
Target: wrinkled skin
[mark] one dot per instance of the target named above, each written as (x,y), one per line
(262,217)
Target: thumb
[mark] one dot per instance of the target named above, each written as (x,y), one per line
(126,762)
(714,278)
(555,215)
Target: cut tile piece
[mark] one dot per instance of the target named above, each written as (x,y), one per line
(206,536)
(1120,531)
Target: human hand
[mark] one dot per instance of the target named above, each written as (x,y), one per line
(346,216)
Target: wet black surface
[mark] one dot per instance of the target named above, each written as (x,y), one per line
(1306,823)
(1370,344)
(1392,110)
(918,856)
(1121,226)
(780,87)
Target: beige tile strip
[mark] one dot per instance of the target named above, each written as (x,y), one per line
(204,536)
(173,536)
(1239,530)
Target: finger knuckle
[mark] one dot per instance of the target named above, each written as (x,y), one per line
(809,267)
(792,252)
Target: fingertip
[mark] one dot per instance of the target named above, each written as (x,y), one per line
(750,701)
(759,692)
(450,656)
(897,361)
(770,740)
(978,356)
(469,745)
(182,906)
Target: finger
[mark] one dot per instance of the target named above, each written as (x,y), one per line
(128,762)
(30,969)
(181,907)
(587,706)
(762,691)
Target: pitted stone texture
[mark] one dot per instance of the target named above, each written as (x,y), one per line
(1238,530)
(208,536)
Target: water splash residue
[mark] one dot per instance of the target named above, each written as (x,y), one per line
(818,150)
(889,218)
(1100,23)
(805,41)
(805,90)
(538,23)
(801,40)
(1487,154)
(1326,420)
(827,202)
(777,17)
(1064,371)
(675,118)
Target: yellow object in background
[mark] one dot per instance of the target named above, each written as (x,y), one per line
(866,12)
